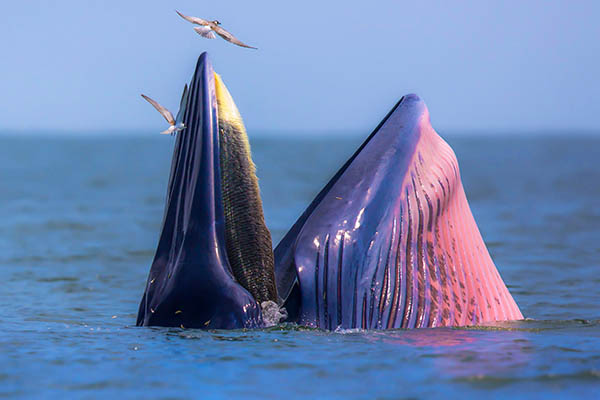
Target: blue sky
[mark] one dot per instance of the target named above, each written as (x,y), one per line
(322,66)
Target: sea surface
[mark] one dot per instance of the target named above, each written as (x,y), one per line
(79,224)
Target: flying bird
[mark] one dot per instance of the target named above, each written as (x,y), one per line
(208,29)
(176,124)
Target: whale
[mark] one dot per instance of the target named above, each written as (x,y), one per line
(389,242)
(213,265)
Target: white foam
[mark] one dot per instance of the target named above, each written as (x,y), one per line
(348,331)
(272,313)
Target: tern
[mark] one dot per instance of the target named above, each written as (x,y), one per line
(176,124)
(208,29)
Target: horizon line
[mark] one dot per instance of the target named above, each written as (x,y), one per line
(291,134)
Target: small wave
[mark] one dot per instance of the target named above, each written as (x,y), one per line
(532,325)
(486,380)
(59,279)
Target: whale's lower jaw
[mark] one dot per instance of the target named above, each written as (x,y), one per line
(390,242)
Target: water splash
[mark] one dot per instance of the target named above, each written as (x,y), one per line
(272,313)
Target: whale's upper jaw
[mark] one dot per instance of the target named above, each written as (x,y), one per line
(190,282)
(390,241)
(284,252)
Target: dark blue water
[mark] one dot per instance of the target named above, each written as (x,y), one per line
(79,221)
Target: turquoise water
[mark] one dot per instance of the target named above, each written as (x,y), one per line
(79,226)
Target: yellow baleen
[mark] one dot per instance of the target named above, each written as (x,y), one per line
(248,241)
(228,112)
(231,119)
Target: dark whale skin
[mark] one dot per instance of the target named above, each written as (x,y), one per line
(191,284)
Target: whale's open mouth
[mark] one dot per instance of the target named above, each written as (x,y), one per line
(214,260)
(389,242)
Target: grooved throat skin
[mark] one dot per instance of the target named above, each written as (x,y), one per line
(248,241)
(390,242)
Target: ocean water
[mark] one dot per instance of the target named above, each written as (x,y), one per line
(79,223)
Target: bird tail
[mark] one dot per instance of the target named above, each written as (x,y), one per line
(205,31)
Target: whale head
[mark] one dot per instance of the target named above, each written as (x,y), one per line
(214,263)
(390,241)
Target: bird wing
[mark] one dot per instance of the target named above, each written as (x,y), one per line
(229,37)
(193,20)
(163,111)
(182,105)
(205,31)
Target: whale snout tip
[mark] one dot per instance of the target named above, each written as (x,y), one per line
(411,98)
(414,105)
